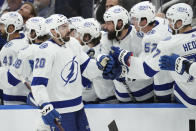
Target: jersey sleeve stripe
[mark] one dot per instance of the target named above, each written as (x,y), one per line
(143,91)
(148,70)
(12,80)
(39,81)
(123,95)
(164,87)
(184,96)
(84,65)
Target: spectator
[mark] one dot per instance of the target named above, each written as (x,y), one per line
(14,5)
(106,4)
(27,11)
(71,8)
(44,8)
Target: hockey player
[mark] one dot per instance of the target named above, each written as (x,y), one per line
(11,24)
(143,15)
(56,84)
(183,44)
(121,34)
(90,34)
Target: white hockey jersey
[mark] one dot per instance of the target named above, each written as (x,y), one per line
(8,54)
(131,42)
(182,44)
(57,75)
(163,83)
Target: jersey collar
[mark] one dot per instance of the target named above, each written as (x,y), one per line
(190,31)
(129,30)
(20,37)
(54,42)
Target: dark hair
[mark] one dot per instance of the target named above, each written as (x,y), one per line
(43,38)
(33,11)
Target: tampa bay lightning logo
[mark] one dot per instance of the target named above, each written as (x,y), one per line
(70,72)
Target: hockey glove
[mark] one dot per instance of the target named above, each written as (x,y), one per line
(173,63)
(50,115)
(105,63)
(121,55)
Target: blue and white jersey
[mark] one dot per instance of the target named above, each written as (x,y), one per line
(8,55)
(57,75)
(133,43)
(192,70)
(163,83)
(182,44)
(104,89)
(10,50)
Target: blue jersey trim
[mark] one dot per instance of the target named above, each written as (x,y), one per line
(148,70)
(39,81)
(14,98)
(129,30)
(84,65)
(190,31)
(107,99)
(12,80)
(31,62)
(123,95)
(67,103)
(143,91)
(184,96)
(164,87)
(20,37)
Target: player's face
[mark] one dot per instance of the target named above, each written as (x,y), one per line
(25,11)
(109,26)
(2,31)
(110,3)
(64,31)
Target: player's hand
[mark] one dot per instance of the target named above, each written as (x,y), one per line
(118,72)
(49,114)
(172,63)
(121,55)
(105,63)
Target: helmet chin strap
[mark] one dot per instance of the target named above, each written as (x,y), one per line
(119,30)
(176,30)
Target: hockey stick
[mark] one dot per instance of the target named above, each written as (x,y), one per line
(56,120)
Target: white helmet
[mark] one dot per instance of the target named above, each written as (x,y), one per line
(180,11)
(12,18)
(143,10)
(75,22)
(90,26)
(54,21)
(38,25)
(115,14)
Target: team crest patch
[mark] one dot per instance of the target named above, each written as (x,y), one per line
(70,72)
(44,45)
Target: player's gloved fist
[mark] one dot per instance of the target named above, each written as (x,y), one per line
(105,63)
(49,114)
(173,63)
(168,62)
(121,55)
